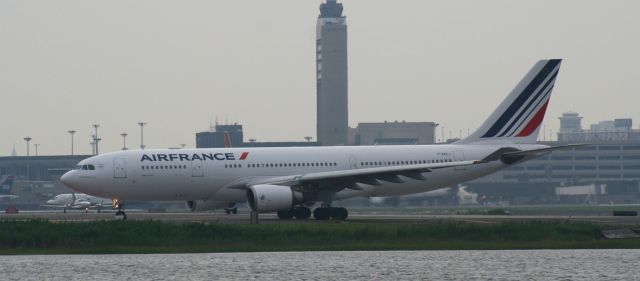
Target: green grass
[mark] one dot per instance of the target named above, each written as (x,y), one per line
(111,237)
(526,210)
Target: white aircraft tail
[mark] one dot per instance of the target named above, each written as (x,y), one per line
(519,116)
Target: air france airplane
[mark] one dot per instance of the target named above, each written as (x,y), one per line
(290,180)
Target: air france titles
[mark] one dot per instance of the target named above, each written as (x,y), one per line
(192,156)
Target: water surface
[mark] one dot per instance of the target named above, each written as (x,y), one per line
(373,265)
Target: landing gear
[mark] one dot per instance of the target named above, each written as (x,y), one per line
(339,213)
(301,213)
(285,215)
(325,213)
(321,213)
(229,211)
(120,214)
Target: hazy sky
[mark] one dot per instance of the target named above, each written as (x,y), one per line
(178,64)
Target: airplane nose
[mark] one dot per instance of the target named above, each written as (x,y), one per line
(66,179)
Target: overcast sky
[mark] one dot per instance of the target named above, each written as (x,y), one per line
(180,64)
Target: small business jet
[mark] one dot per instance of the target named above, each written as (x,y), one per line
(78,201)
(291,180)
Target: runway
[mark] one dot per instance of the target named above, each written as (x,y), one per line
(243,218)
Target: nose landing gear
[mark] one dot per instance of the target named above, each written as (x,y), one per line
(117,204)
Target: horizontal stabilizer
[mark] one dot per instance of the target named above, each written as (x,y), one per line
(542,151)
(516,156)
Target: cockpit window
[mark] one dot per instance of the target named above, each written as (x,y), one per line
(85,167)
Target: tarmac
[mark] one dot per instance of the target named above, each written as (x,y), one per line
(243,218)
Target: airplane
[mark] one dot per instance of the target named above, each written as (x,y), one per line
(290,180)
(6,184)
(78,201)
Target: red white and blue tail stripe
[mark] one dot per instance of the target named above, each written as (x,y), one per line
(518,118)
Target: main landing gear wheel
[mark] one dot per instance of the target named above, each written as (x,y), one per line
(339,213)
(300,213)
(285,215)
(321,213)
(325,213)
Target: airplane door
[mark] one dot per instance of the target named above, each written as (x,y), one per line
(353,162)
(119,168)
(196,168)
(458,155)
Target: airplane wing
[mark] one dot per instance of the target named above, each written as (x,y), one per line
(109,204)
(338,180)
(55,206)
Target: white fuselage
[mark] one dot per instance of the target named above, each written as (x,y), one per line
(210,174)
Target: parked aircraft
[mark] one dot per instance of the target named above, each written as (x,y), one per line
(78,201)
(6,185)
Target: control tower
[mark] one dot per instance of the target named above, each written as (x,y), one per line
(331,74)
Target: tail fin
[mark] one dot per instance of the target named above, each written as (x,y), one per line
(518,118)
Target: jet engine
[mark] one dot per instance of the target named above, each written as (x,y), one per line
(264,198)
(208,205)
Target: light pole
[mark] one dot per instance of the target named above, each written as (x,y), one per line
(124,141)
(28,139)
(37,145)
(95,126)
(93,144)
(141,124)
(71,132)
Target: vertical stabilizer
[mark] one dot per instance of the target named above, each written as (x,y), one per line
(519,116)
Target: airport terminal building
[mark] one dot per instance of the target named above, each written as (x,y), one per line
(606,171)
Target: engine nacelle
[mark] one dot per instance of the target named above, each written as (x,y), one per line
(208,205)
(264,198)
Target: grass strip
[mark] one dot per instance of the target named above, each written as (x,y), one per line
(113,237)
